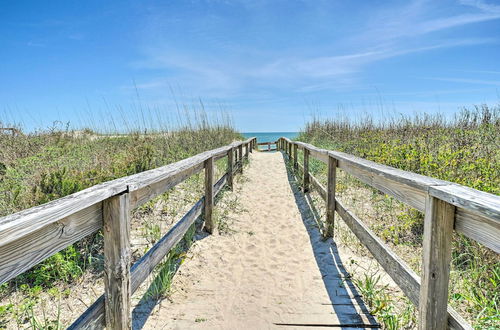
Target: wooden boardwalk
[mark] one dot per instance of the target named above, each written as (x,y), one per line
(273,271)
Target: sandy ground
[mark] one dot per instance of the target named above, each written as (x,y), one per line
(274,269)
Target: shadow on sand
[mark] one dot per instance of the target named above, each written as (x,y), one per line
(345,300)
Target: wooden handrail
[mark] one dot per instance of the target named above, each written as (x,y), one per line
(447,207)
(30,236)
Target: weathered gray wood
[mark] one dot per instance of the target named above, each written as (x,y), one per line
(477,213)
(295,157)
(319,154)
(240,157)
(17,225)
(473,200)
(209,195)
(20,255)
(93,318)
(397,269)
(305,177)
(117,258)
(318,186)
(481,229)
(438,230)
(230,162)
(330,201)
(145,194)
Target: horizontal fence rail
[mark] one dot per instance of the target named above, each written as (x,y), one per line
(447,206)
(31,236)
(268,144)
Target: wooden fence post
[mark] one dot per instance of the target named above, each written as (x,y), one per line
(295,158)
(230,160)
(330,196)
(306,171)
(246,150)
(116,227)
(290,145)
(240,157)
(209,195)
(438,230)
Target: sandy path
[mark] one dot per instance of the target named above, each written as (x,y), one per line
(274,269)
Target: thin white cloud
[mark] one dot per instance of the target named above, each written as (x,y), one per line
(392,33)
(468,81)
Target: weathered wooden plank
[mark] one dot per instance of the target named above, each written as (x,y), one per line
(209,195)
(305,176)
(295,157)
(409,195)
(93,317)
(146,193)
(330,194)
(117,258)
(477,213)
(230,161)
(319,154)
(240,157)
(481,229)
(19,255)
(408,187)
(17,225)
(479,202)
(318,186)
(438,230)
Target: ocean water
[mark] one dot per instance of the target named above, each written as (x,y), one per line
(269,136)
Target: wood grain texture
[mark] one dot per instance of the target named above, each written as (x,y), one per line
(438,230)
(305,176)
(230,162)
(330,197)
(481,229)
(209,195)
(117,258)
(479,202)
(20,255)
(295,157)
(240,157)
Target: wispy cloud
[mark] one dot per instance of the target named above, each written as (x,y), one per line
(390,33)
(468,81)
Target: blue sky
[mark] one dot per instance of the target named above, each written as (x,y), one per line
(269,64)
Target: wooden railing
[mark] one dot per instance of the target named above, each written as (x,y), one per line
(30,236)
(447,207)
(268,144)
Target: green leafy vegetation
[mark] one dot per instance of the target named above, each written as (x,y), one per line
(464,149)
